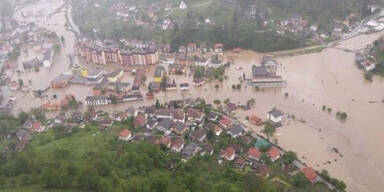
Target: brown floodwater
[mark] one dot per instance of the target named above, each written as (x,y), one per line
(328,78)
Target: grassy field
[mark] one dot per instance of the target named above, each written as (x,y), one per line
(38,188)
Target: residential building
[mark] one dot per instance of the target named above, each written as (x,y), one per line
(236,131)
(273,153)
(310,174)
(254,153)
(190,150)
(199,135)
(275,117)
(177,144)
(97,100)
(125,135)
(262,78)
(229,154)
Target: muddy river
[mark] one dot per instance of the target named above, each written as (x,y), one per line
(328,78)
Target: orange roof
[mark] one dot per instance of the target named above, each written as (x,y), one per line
(225,121)
(273,152)
(125,133)
(254,152)
(36,125)
(177,143)
(165,141)
(310,173)
(229,151)
(217,129)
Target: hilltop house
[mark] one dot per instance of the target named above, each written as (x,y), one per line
(125,135)
(177,144)
(229,153)
(199,135)
(195,115)
(190,150)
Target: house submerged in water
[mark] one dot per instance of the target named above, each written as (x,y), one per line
(262,77)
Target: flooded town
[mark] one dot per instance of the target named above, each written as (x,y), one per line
(323,105)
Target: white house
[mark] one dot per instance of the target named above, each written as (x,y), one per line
(275,115)
(182,5)
(48,58)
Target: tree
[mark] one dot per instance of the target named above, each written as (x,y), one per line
(88,179)
(289,157)
(50,178)
(23,116)
(39,114)
(113,99)
(158,106)
(299,180)
(217,102)
(269,130)
(265,158)
(21,83)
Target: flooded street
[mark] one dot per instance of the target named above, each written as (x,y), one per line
(46,16)
(328,78)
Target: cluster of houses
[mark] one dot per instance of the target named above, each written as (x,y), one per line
(364,60)
(109,52)
(182,129)
(16,34)
(60,105)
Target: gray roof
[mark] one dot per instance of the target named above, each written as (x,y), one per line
(159,70)
(32,63)
(236,129)
(21,134)
(276,113)
(197,134)
(165,123)
(179,126)
(259,71)
(190,150)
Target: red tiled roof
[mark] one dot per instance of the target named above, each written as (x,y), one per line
(228,152)
(217,129)
(177,143)
(36,125)
(194,113)
(254,153)
(255,120)
(225,121)
(166,141)
(125,133)
(310,173)
(273,152)
(140,119)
